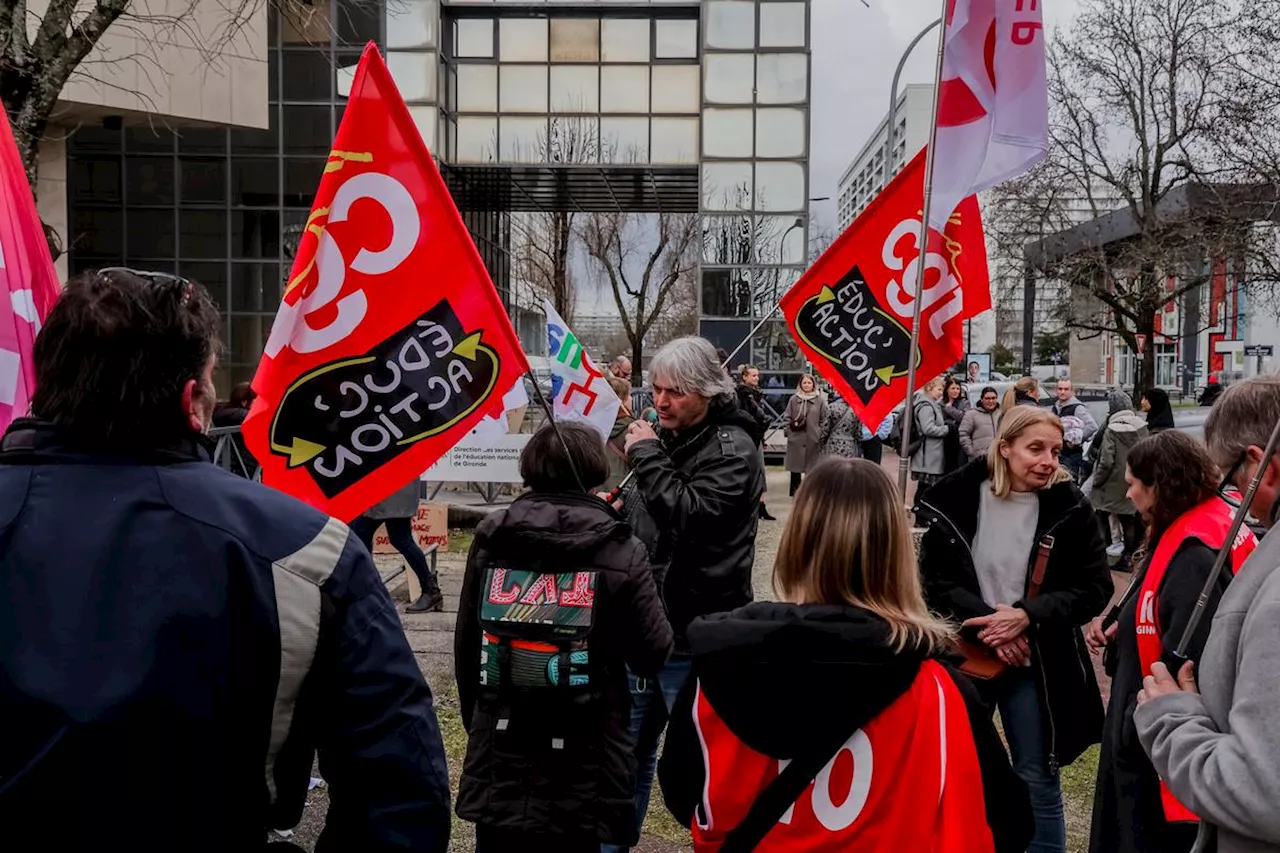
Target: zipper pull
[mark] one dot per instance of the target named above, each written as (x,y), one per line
(1053,764)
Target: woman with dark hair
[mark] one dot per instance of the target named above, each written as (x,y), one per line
(557,601)
(955,403)
(1173,483)
(1155,402)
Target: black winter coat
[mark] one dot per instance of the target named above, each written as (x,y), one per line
(1127,814)
(784,675)
(702,489)
(1077,585)
(539,761)
(751,401)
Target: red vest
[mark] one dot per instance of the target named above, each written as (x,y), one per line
(1209,523)
(908,781)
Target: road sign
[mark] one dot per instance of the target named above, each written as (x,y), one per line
(1142,343)
(1258,351)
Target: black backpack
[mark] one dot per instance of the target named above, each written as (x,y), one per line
(895,433)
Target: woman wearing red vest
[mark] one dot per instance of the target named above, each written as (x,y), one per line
(1173,483)
(823,722)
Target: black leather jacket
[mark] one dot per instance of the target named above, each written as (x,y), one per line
(702,488)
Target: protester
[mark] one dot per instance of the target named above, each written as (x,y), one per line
(805,414)
(1024,392)
(1212,391)
(232,414)
(615,445)
(1173,483)
(1155,402)
(542,677)
(995,529)
(872,444)
(1212,734)
(954,406)
(751,401)
(929,433)
(842,431)
(701,477)
(1068,405)
(397,512)
(979,426)
(621,368)
(168,671)
(1110,491)
(846,661)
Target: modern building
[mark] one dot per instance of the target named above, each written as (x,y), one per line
(865,178)
(661,107)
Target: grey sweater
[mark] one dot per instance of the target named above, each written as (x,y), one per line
(1219,751)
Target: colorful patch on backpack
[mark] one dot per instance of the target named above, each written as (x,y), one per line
(565,602)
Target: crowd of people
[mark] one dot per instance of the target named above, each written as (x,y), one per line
(203,638)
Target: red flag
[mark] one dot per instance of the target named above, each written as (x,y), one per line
(30,284)
(852,311)
(390,343)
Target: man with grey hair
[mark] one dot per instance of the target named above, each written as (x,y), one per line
(1217,744)
(701,476)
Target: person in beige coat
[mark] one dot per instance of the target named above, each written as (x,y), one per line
(804,415)
(980,424)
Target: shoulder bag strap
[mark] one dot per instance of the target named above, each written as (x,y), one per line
(1042,563)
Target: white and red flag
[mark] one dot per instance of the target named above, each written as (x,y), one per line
(30,284)
(993,103)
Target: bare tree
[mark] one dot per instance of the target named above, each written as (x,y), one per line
(1155,104)
(645,258)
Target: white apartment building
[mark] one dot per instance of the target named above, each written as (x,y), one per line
(864,179)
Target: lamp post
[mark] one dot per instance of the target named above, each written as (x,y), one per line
(892,120)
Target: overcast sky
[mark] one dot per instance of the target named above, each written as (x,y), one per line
(855,51)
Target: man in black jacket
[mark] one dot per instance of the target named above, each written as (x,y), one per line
(701,478)
(169,671)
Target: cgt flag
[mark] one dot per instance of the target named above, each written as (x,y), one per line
(851,312)
(390,343)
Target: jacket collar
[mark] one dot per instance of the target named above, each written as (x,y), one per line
(32,439)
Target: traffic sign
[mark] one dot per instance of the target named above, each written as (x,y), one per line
(1142,343)
(1259,351)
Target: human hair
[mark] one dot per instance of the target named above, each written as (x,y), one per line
(848,542)
(803,377)
(1027,386)
(744,369)
(1013,423)
(618,360)
(1243,417)
(242,396)
(1062,379)
(116,354)
(989,390)
(564,457)
(931,384)
(975,364)
(1181,472)
(688,365)
(946,388)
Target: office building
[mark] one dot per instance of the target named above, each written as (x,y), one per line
(864,179)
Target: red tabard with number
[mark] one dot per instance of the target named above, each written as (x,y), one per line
(907,781)
(1209,522)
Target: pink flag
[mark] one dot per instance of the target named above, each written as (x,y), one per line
(30,283)
(993,109)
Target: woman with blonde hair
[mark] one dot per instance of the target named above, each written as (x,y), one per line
(1024,392)
(845,662)
(1013,554)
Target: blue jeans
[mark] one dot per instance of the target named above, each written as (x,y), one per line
(1024,728)
(651,702)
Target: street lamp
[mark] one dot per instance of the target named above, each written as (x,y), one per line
(892,121)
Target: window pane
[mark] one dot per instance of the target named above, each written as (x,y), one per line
(411,23)
(152,139)
(779,240)
(727,186)
(575,39)
(782,24)
(771,283)
(572,139)
(524,140)
(426,119)
(202,233)
(306,130)
(149,180)
(625,88)
(255,287)
(726,293)
(729,78)
(198,140)
(775,349)
(781,78)
(675,89)
(731,23)
(473,37)
(359,22)
(477,140)
(255,183)
(214,278)
(477,88)
(95,180)
(624,140)
(779,186)
(675,39)
(726,240)
(675,140)
(780,133)
(255,234)
(575,88)
(98,233)
(248,337)
(522,39)
(204,180)
(294,226)
(624,40)
(308,76)
(523,89)
(150,234)
(301,179)
(726,133)
(245,141)
(725,334)
(414,73)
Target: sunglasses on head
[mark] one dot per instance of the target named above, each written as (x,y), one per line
(158,279)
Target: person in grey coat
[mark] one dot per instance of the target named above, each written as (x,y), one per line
(841,433)
(804,416)
(929,435)
(979,426)
(1124,429)
(397,512)
(1212,732)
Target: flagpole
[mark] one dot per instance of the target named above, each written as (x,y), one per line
(908,411)
(546,407)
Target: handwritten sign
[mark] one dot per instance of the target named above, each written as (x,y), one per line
(430,527)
